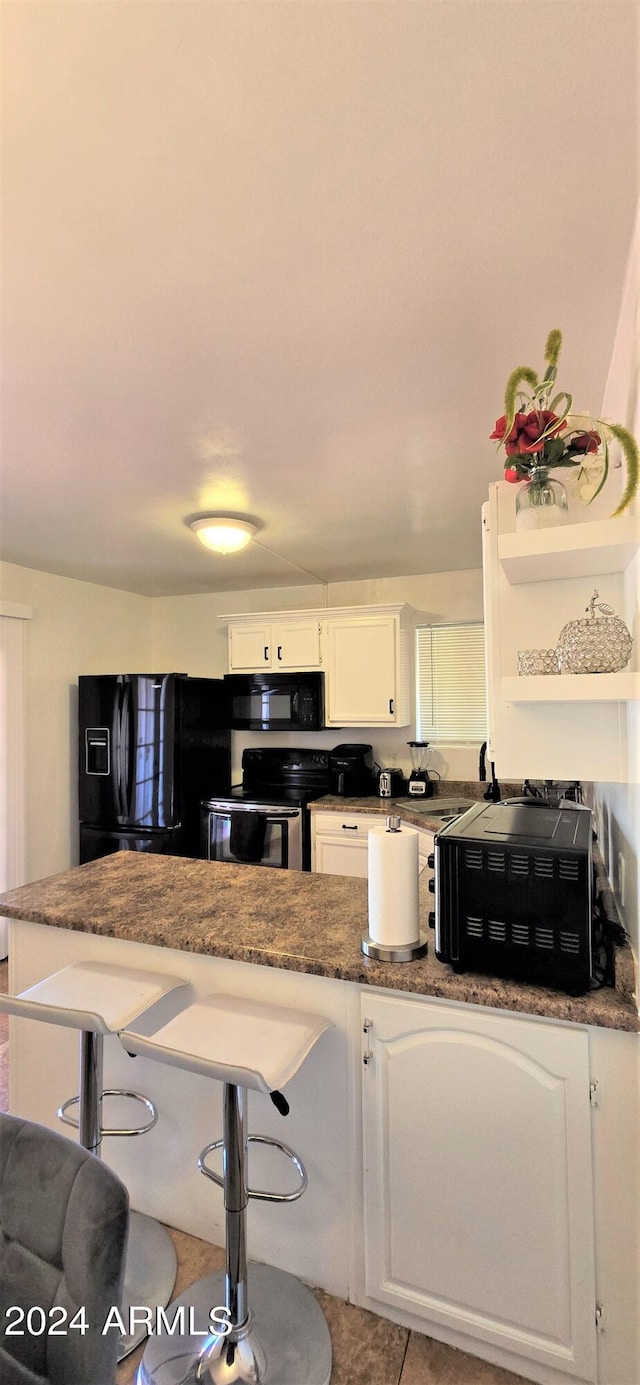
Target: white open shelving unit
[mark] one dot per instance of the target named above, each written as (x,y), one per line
(547,726)
(572,687)
(576,550)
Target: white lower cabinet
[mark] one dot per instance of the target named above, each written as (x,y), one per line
(340,843)
(478,1198)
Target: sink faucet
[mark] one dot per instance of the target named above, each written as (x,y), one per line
(492,794)
(482,765)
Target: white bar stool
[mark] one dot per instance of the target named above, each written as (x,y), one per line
(100,999)
(279,1334)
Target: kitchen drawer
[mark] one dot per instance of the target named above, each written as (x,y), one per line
(346,824)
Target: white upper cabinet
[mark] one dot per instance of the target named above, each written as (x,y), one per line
(364,651)
(259,643)
(249,647)
(363,671)
(555,726)
(296,644)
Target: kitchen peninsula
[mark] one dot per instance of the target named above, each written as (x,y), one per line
(290,920)
(446,1123)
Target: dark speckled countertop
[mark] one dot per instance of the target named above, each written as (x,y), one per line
(288,919)
(416,811)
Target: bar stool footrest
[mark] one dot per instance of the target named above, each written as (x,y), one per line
(104,1130)
(259,1194)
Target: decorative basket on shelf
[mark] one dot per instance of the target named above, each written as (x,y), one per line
(599,644)
(533,662)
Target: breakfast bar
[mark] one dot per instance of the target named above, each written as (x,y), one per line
(287,920)
(425,1080)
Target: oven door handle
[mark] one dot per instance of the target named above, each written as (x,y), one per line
(273,814)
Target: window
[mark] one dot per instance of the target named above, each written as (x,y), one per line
(450,683)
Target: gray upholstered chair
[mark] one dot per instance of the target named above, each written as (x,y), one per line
(63,1234)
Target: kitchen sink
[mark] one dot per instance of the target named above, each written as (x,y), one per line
(443,808)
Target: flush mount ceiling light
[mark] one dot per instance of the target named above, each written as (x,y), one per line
(223,533)
(229,534)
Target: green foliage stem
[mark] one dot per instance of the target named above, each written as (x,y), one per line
(553,347)
(522,372)
(630,448)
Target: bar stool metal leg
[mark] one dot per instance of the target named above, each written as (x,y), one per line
(236,1200)
(151,1263)
(90,1099)
(279,1335)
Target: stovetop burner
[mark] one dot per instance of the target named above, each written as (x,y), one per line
(271,793)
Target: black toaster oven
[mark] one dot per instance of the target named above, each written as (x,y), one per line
(513,893)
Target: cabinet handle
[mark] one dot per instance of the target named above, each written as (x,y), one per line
(390,704)
(279,651)
(348,827)
(266,652)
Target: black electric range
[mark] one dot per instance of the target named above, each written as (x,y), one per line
(265,819)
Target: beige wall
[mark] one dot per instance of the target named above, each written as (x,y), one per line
(76,627)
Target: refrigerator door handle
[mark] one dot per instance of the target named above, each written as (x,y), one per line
(117,752)
(128,749)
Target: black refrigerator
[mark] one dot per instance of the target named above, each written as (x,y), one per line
(151,746)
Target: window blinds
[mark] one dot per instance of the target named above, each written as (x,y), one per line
(450,683)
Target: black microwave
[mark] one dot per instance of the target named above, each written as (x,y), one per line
(275,701)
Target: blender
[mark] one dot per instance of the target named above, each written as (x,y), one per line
(420,783)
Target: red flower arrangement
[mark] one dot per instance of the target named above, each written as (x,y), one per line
(542,434)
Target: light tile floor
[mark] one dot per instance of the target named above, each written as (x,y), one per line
(367,1349)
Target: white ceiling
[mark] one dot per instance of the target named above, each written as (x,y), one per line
(278,259)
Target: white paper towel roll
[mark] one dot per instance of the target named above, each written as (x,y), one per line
(393,887)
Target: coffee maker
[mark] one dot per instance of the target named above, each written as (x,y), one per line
(351,773)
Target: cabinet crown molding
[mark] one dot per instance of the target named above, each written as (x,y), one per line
(322,612)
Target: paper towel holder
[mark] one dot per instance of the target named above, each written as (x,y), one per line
(394,954)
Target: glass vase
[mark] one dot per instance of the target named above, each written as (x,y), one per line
(541,502)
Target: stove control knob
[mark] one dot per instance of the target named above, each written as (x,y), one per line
(432,886)
(432,920)
(431,861)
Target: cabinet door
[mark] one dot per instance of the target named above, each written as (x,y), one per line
(340,843)
(296,644)
(338,856)
(478,1187)
(362,671)
(249,647)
